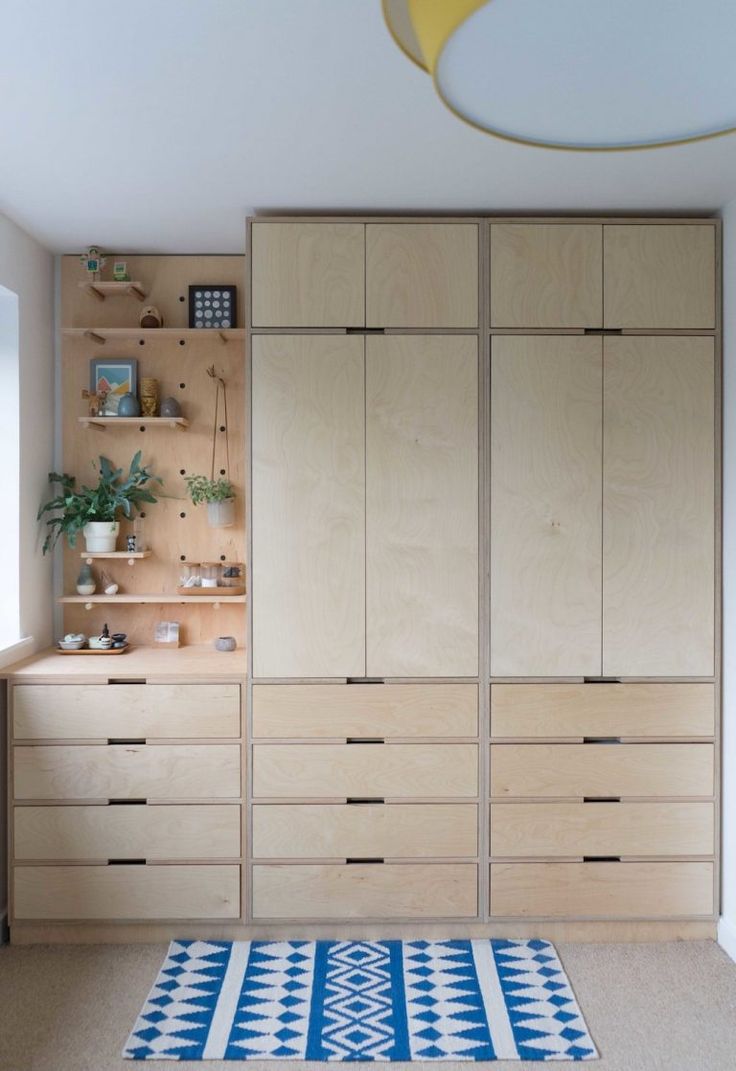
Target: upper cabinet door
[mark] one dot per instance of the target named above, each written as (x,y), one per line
(307,274)
(422,506)
(421,275)
(659,275)
(658,495)
(546,506)
(308,515)
(546,275)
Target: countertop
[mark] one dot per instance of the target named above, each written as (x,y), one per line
(200,663)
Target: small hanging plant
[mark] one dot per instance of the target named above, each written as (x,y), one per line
(218,494)
(202,489)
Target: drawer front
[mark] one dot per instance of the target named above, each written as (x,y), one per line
(383,710)
(127,892)
(539,770)
(574,711)
(137,831)
(104,711)
(128,771)
(389,890)
(365,831)
(326,771)
(601,890)
(520,830)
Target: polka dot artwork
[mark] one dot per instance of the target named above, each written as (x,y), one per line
(212,305)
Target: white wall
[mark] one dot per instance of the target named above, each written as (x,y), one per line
(26,268)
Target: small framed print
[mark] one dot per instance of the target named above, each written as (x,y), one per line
(213,306)
(113,377)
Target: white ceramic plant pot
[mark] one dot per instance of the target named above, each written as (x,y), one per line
(221,514)
(101,536)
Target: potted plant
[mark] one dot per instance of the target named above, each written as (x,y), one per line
(94,510)
(218,494)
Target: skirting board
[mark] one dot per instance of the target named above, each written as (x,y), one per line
(727,936)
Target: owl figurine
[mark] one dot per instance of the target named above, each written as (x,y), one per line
(151,317)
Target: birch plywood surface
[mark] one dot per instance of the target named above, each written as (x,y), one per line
(659,495)
(308,506)
(545,506)
(422,506)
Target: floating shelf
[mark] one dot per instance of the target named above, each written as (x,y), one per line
(102,290)
(148,421)
(100,335)
(162,600)
(114,555)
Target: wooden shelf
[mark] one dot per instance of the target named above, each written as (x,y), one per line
(115,555)
(163,599)
(100,335)
(102,290)
(105,422)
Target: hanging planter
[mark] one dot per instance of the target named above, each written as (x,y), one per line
(218,494)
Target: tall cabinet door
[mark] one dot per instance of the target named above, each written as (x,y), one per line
(658,493)
(422,506)
(546,506)
(308,516)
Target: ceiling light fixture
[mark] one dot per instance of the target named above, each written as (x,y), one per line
(596,75)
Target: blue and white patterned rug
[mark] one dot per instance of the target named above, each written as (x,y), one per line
(361,1000)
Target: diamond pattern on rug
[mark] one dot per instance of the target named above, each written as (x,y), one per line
(377,1001)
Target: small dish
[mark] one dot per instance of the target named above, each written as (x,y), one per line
(72,645)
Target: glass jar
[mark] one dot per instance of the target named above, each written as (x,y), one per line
(232,575)
(190,575)
(210,572)
(139,531)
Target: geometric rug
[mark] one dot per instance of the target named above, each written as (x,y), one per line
(361,1000)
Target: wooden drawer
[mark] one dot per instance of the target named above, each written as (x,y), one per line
(127,771)
(138,831)
(326,771)
(365,831)
(104,711)
(573,711)
(127,892)
(601,890)
(521,830)
(388,890)
(372,710)
(540,770)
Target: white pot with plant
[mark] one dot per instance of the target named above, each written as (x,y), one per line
(219,495)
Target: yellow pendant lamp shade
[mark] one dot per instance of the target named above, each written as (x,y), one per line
(595,75)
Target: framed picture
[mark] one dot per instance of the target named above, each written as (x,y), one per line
(213,305)
(113,376)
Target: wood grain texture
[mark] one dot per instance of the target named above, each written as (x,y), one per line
(133,832)
(385,710)
(307,275)
(422,506)
(550,830)
(578,710)
(365,831)
(546,275)
(127,771)
(398,890)
(601,890)
(193,664)
(519,770)
(308,511)
(324,771)
(659,276)
(127,892)
(659,495)
(545,506)
(421,274)
(100,711)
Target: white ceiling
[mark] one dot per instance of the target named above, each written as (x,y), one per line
(158,125)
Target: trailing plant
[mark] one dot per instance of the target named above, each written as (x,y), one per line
(201,489)
(113,495)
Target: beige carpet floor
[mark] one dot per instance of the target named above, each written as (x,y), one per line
(656,1007)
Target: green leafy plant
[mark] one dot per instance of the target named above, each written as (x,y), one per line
(201,489)
(114,494)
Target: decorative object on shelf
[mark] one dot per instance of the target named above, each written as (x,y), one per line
(170,408)
(225,643)
(120,272)
(149,396)
(219,494)
(232,575)
(131,544)
(103,642)
(189,576)
(212,305)
(139,531)
(108,584)
(211,579)
(97,402)
(94,510)
(112,377)
(93,262)
(129,406)
(166,634)
(73,641)
(119,639)
(86,584)
(150,317)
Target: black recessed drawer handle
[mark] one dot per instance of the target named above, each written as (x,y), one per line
(126,680)
(126,803)
(126,862)
(601,680)
(117,740)
(352,862)
(365,799)
(601,739)
(601,799)
(365,680)
(604,330)
(365,740)
(365,330)
(601,858)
